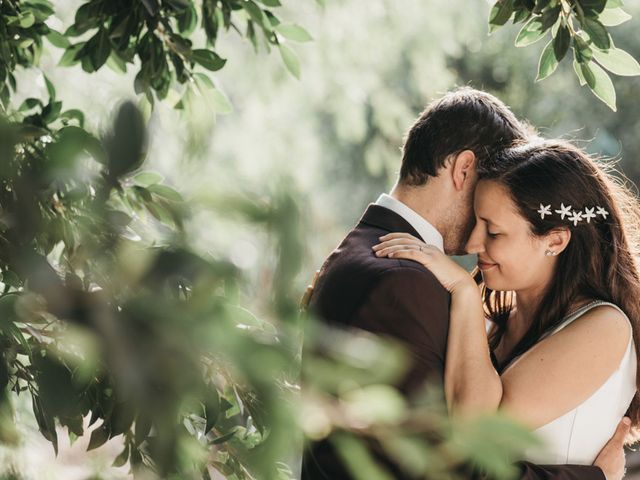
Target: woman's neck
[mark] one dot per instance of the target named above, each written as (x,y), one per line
(527,304)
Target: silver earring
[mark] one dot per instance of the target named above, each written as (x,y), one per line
(549,253)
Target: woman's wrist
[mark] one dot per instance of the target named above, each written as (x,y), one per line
(467,289)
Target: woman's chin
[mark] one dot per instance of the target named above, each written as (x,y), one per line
(491,282)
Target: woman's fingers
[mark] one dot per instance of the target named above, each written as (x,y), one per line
(384,252)
(397,241)
(391,236)
(410,254)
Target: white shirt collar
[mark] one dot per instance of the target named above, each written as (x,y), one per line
(427,231)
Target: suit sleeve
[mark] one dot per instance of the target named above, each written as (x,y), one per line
(409,305)
(530,471)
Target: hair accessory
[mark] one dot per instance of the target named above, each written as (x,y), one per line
(603,212)
(544,211)
(575,218)
(564,211)
(588,214)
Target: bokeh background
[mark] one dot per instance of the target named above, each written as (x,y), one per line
(333,137)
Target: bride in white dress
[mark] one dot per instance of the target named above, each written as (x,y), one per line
(557,238)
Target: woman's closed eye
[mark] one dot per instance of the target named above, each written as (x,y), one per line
(492,235)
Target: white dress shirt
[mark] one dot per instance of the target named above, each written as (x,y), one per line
(427,231)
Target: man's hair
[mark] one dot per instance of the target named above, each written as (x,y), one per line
(463,119)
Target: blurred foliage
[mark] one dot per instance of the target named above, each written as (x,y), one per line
(104,315)
(114,310)
(142,334)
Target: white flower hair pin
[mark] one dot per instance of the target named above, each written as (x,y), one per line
(574,216)
(544,211)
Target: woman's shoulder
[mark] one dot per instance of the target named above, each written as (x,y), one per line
(601,323)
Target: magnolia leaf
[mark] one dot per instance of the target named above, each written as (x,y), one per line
(602,85)
(561,42)
(597,33)
(500,14)
(617,61)
(548,62)
(290,59)
(530,33)
(57,39)
(145,179)
(208,59)
(588,75)
(294,32)
(611,17)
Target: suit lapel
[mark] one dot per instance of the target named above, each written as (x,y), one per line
(381,217)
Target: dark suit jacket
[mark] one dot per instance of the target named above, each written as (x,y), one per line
(399,299)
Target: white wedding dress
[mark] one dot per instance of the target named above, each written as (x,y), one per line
(578,436)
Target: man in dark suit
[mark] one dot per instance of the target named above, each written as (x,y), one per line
(402,300)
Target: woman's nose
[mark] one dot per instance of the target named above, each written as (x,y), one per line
(475,243)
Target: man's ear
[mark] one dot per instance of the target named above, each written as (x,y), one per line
(463,169)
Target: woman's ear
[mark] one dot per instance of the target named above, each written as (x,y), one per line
(463,169)
(557,240)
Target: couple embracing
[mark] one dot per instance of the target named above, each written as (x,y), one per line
(545,329)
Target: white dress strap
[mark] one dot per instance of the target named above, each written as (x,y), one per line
(581,311)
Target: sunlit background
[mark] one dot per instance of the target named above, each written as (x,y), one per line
(333,137)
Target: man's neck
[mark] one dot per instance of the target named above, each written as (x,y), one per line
(421,200)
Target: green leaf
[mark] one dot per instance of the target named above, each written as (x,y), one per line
(617,61)
(578,70)
(166,192)
(101,49)
(614,4)
(256,14)
(122,458)
(611,17)
(50,88)
(208,59)
(530,33)
(549,17)
(74,114)
(216,97)
(500,14)
(588,75)
(57,39)
(602,85)
(224,438)
(597,33)
(548,62)
(98,437)
(521,16)
(145,179)
(594,5)
(116,63)
(8,317)
(290,60)
(582,51)
(294,32)
(561,42)
(27,20)
(69,56)
(126,143)
(271,3)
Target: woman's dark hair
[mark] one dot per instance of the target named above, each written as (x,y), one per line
(600,261)
(463,119)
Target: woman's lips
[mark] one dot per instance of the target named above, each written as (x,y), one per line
(483,266)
